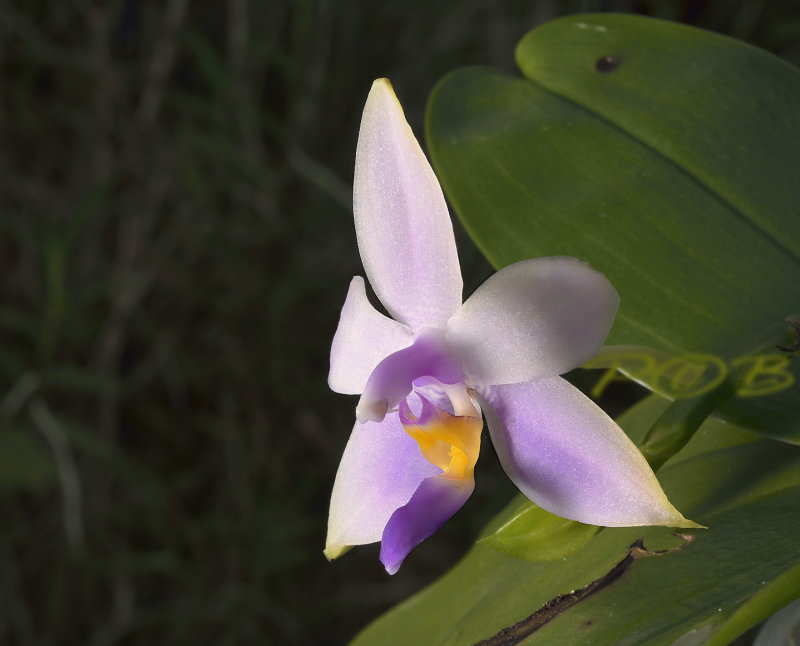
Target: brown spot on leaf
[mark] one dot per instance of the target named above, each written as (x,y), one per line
(606,64)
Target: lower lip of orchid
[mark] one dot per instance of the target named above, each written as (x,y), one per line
(447,440)
(431,506)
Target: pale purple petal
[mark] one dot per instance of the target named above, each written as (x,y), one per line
(431,506)
(403,228)
(570,458)
(363,339)
(535,318)
(393,378)
(380,470)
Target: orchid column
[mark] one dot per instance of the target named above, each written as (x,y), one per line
(426,375)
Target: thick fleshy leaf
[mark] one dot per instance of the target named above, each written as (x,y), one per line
(663,155)
(535,318)
(431,506)
(570,458)
(683,92)
(404,231)
(380,470)
(363,339)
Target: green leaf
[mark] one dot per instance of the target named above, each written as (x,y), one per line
(533,534)
(707,587)
(716,107)
(25,462)
(77,379)
(679,422)
(675,173)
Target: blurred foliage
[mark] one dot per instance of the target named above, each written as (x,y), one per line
(175,244)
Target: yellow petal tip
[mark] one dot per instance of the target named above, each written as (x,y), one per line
(383,86)
(333,552)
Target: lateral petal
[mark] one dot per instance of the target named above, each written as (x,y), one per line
(403,228)
(381,468)
(431,506)
(363,339)
(534,318)
(570,458)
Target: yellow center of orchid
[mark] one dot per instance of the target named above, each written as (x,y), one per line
(450,442)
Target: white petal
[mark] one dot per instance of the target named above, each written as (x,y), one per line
(364,338)
(403,228)
(570,458)
(380,470)
(535,318)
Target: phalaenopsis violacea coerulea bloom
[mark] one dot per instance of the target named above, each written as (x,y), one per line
(426,376)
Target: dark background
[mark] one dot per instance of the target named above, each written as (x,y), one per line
(176,241)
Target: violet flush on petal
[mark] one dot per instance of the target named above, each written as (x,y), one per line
(428,374)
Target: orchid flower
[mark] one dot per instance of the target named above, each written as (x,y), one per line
(426,376)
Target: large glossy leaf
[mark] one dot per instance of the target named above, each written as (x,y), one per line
(664,155)
(706,588)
